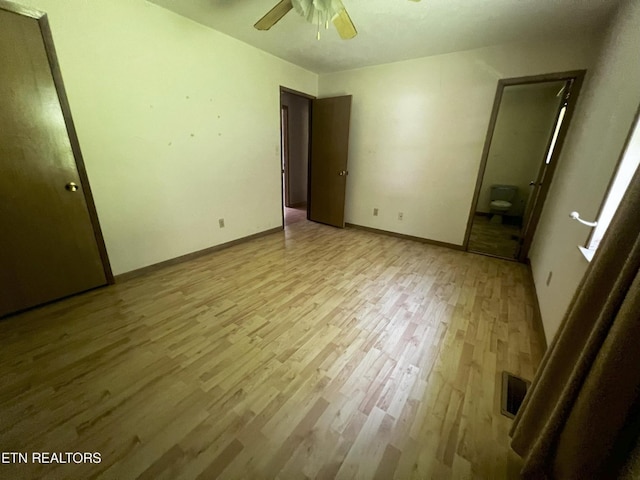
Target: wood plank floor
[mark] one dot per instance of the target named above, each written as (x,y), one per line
(501,239)
(311,353)
(295,214)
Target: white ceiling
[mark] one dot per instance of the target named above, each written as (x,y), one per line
(392,30)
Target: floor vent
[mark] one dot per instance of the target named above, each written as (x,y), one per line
(513,391)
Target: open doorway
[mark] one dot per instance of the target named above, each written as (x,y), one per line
(295,114)
(527,127)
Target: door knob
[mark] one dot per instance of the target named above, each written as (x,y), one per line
(533,184)
(342,173)
(72,186)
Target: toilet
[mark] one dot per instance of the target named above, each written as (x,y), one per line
(502,197)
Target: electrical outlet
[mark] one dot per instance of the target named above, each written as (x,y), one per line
(400,215)
(549,278)
(221,222)
(375,212)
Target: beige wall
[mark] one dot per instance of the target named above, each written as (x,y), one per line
(603,118)
(178,125)
(298,146)
(418,129)
(523,127)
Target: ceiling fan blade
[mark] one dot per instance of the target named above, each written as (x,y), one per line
(345,27)
(274,15)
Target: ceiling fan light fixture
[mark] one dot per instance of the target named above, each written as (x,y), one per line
(317,11)
(313,11)
(320,12)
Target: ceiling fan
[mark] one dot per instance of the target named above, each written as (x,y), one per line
(314,11)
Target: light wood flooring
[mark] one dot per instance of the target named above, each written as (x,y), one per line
(310,353)
(500,239)
(295,214)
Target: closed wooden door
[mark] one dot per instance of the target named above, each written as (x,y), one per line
(49,247)
(329,154)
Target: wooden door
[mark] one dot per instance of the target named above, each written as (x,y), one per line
(541,185)
(328,166)
(48,245)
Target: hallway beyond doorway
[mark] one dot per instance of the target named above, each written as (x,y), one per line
(295,214)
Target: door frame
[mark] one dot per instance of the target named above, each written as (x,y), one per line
(47,38)
(291,91)
(542,184)
(284,132)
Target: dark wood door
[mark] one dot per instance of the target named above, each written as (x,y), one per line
(48,245)
(329,153)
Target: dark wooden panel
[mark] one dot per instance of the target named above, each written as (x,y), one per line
(329,153)
(48,246)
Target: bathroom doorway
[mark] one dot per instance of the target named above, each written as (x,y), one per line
(528,124)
